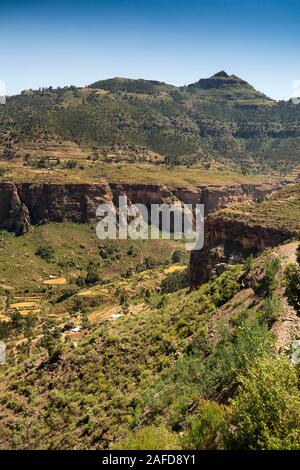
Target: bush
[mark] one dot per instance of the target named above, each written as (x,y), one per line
(270,311)
(150,263)
(249,263)
(225,286)
(270,279)
(45,252)
(234,353)
(207,427)
(266,410)
(269,283)
(292,286)
(92,277)
(175,281)
(131,251)
(177,257)
(149,438)
(80,281)
(71,164)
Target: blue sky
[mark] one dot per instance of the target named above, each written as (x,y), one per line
(78,42)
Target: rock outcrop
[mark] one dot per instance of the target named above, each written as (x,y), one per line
(23,204)
(14,214)
(230,241)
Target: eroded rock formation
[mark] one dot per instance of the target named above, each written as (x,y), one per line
(230,241)
(22,204)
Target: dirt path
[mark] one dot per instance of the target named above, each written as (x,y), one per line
(288,252)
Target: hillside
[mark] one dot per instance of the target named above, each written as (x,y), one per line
(221,120)
(280,210)
(236,232)
(166,374)
(129,344)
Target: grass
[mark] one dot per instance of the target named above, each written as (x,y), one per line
(102,172)
(146,361)
(59,281)
(280,210)
(74,246)
(117,359)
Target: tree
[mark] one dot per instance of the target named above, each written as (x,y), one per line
(266,409)
(92,276)
(51,342)
(206,427)
(292,286)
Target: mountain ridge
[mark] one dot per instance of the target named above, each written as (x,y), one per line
(221,118)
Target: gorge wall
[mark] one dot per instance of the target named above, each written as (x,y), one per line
(25,204)
(230,241)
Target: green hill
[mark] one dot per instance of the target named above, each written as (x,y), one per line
(187,370)
(221,118)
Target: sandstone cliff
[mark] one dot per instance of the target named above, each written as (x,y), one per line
(23,204)
(230,241)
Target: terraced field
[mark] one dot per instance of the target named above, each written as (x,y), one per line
(282,210)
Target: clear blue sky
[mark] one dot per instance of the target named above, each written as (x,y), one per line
(77,42)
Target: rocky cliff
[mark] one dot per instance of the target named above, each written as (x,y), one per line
(230,241)
(25,204)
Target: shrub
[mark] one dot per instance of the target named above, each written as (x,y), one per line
(249,263)
(292,286)
(71,164)
(80,281)
(150,263)
(269,283)
(131,251)
(233,354)
(177,257)
(206,427)
(175,281)
(92,276)
(45,252)
(270,311)
(266,410)
(225,286)
(149,438)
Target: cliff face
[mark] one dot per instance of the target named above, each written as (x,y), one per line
(218,197)
(23,204)
(230,241)
(14,214)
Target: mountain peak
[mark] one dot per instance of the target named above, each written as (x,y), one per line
(220,74)
(220,80)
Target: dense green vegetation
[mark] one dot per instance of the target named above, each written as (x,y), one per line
(222,118)
(107,347)
(292,283)
(170,376)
